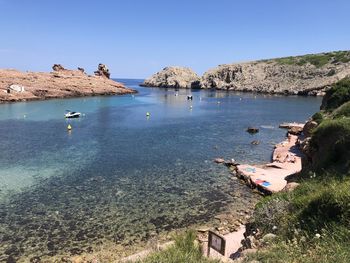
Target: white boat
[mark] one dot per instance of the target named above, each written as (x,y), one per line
(72,114)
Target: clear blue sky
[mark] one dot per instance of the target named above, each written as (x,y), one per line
(136,38)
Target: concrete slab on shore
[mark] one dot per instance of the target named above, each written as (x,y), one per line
(286,161)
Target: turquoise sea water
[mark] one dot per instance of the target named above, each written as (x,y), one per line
(121,177)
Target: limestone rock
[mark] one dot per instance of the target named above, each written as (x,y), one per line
(173,77)
(309,127)
(16,88)
(273,77)
(57,84)
(103,71)
(81,69)
(58,67)
(295,130)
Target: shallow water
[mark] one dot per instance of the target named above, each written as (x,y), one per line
(121,177)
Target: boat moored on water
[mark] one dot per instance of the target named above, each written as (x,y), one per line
(72,114)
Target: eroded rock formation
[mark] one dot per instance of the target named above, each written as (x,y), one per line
(103,71)
(173,77)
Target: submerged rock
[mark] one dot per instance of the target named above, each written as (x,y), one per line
(252,130)
(219,160)
(173,77)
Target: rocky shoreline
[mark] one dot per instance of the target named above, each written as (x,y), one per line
(16,86)
(303,75)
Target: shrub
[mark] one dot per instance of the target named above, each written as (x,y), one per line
(317,117)
(269,214)
(337,95)
(331,145)
(342,111)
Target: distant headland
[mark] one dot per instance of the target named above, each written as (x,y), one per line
(60,83)
(299,75)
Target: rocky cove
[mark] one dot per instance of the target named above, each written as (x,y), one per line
(301,75)
(120,181)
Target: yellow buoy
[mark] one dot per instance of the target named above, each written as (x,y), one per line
(148,114)
(69,127)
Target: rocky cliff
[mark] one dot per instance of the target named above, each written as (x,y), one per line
(173,77)
(61,83)
(301,75)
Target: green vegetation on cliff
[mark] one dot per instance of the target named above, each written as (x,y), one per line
(317,60)
(337,95)
(312,223)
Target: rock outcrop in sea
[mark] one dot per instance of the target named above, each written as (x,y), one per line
(61,83)
(301,75)
(174,77)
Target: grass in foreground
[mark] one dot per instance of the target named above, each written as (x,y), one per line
(313,222)
(185,249)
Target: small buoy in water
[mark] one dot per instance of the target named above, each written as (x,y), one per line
(148,114)
(69,127)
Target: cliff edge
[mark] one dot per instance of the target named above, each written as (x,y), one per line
(300,75)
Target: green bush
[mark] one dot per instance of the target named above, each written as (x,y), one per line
(322,202)
(337,95)
(331,145)
(342,111)
(318,117)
